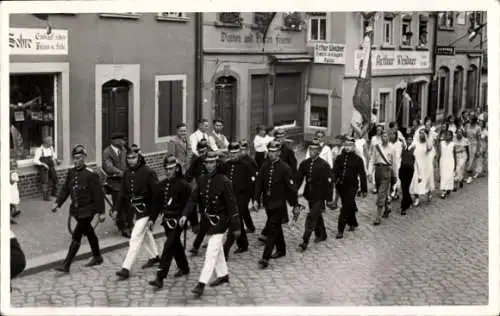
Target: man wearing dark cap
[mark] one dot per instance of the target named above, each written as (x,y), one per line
(242,176)
(318,190)
(245,213)
(275,183)
(87,199)
(170,199)
(136,193)
(218,211)
(114,163)
(348,173)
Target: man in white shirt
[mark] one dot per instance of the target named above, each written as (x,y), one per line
(326,152)
(199,134)
(219,138)
(45,160)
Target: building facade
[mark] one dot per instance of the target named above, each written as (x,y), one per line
(95,74)
(255,72)
(460,63)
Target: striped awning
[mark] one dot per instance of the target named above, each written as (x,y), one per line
(291,58)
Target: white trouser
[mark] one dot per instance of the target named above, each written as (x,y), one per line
(214,259)
(140,231)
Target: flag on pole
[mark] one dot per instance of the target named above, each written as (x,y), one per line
(362,98)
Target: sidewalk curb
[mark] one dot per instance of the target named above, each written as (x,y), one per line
(47,262)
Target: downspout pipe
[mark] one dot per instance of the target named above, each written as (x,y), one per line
(198,68)
(434,57)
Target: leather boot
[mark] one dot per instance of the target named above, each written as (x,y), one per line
(73,250)
(198,290)
(158,282)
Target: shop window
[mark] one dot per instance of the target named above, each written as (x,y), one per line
(317,26)
(443,88)
(287,99)
(406,33)
(446,20)
(32,112)
(422,31)
(388,31)
(384,103)
(471,90)
(458,84)
(170,104)
(318,116)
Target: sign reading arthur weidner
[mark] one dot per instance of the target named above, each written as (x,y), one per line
(27,41)
(329,54)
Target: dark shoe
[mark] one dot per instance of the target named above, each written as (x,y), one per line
(339,236)
(151,262)
(351,228)
(376,222)
(73,250)
(262,239)
(198,290)
(250,230)
(95,261)
(240,250)
(386,213)
(62,268)
(220,281)
(317,239)
(302,247)
(443,196)
(263,263)
(123,274)
(126,233)
(158,283)
(181,273)
(403,212)
(15,213)
(193,251)
(277,255)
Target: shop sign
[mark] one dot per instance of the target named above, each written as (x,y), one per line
(395,60)
(28,41)
(329,53)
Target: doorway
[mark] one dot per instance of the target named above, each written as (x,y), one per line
(225,104)
(115,109)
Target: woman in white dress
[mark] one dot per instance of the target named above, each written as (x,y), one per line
(14,192)
(461,158)
(482,150)
(420,151)
(446,157)
(397,147)
(473,132)
(430,166)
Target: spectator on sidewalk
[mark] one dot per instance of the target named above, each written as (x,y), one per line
(220,139)
(180,147)
(45,160)
(114,164)
(325,151)
(260,142)
(14,192)
(199,134)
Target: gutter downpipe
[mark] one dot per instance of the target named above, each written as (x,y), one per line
(198,68)
(434,57)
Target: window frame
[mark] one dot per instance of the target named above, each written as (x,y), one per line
(387,106)
(219,23)
(440,90)
(406,21)
(363,27)
(384,43)
(310,28)
(161,17)
(442,21)
(121,15)
(181,77)
(422,22)
(318,92)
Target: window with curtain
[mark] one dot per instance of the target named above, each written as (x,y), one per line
(318,110)
(170,105)
(443,86)
(317,26)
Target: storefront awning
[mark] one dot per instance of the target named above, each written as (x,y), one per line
(291,59)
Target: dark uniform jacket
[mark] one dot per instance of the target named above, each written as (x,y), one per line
(288,156)
(317,174)
(170,198)
(241,174)
(216,201)
(196,169)
(275,183)
(138,185)
(85,189)
(346,170)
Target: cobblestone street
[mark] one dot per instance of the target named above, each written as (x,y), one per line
(436,255)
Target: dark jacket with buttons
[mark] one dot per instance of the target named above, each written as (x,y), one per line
(241,174)
(170,198)
(196,169)
(247,158)
(317,174)
(215,197)
(137,183)
(85,189)
(276,184)
(348,168)
(287,155)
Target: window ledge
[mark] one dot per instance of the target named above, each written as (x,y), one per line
(422,48)
(446,28)
(120,16)
(405,47)
(173,19)
(228,25)
(291,29)
(388,47)
(319,128)
(373,46)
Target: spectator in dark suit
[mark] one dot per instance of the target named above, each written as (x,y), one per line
(180,147)
(114,163)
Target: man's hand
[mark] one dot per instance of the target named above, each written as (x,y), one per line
(55,208)
(102,217)
(236,234)
(182,221)
(46,166)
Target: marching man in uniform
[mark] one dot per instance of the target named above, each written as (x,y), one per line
(170,199)
(87,199)
(318,191)
(275,182)
(138,184)
(218,210)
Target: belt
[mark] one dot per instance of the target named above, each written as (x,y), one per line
(381,165)
(213,219)
(171,222)
(138,204)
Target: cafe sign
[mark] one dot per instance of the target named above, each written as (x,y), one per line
(395,60)
(31,41)
(329,53)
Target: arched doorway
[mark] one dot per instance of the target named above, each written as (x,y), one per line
(115,109)
(226,95)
